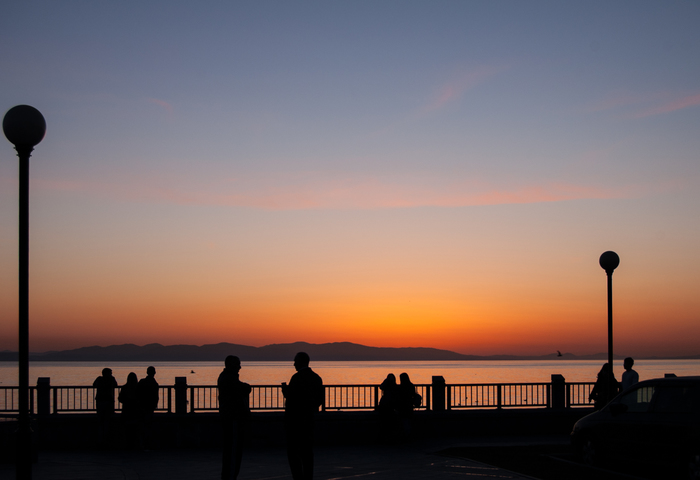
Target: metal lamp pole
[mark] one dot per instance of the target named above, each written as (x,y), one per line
(609,262)
(25,127)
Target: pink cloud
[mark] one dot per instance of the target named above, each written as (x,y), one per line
(453,91)
(672,106)
(645,105)
(625,99)
(313,190)
(161,103)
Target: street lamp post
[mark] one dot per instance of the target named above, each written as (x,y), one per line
(609,262)
(24,126)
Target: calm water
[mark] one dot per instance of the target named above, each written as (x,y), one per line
(273,373)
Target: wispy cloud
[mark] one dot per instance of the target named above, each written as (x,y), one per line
(630,105)
(446,94)
(671,106)
(313,190)
(161,103)
(453,91)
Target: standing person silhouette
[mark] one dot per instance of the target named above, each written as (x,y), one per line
(605,388)
(128,397)
(234,408)
(147,391)
(629,376)
(303,396)
(104,402)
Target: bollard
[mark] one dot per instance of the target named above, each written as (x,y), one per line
(558,400)
(438,388)
(43,394)
(180,394)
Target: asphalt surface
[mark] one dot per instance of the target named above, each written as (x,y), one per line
(415,460)
(513,458)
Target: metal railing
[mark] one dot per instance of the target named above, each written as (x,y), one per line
(204,398)
(577,394)
(499,395)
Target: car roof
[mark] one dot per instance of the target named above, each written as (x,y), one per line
(672,380)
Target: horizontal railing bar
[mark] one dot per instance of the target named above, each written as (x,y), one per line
(348,397)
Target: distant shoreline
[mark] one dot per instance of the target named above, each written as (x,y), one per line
(338,351)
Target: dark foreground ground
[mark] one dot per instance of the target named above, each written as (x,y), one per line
(554,460)
(494,457)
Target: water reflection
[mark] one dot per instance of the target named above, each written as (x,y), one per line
(272,373)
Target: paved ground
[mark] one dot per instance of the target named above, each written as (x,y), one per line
(406,462)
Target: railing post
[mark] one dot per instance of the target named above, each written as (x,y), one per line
(43,393)
(558,400)
(499,403)
(438,387)
(180,394)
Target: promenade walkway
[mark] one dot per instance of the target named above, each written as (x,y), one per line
(407,462)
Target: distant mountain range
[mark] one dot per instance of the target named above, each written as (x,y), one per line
(341,351)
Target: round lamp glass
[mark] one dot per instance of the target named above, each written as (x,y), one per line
(609,261)
(24,126)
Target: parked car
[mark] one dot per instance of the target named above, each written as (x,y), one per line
(653,421)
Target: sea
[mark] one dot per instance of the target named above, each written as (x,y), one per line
(348,373)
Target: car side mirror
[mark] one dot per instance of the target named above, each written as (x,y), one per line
(618,408)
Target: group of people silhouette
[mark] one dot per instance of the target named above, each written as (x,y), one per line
(396,405)
(607,387)
(398,398)
(303,396)
(139,399)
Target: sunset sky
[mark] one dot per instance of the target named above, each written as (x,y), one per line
(392,173)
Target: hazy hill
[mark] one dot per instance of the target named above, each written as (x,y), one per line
(341,351)
(217,352)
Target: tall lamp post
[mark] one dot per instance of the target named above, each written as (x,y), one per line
(609,262)
(24,126)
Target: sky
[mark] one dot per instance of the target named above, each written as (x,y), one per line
(398,173)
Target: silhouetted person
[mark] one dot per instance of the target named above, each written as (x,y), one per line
(104,402)
(389,388)
(148,402)
(406,401)
(406,395)
(387,408)
(605,388)
(629,376)
(128,397)
(234,409)
(303,395)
